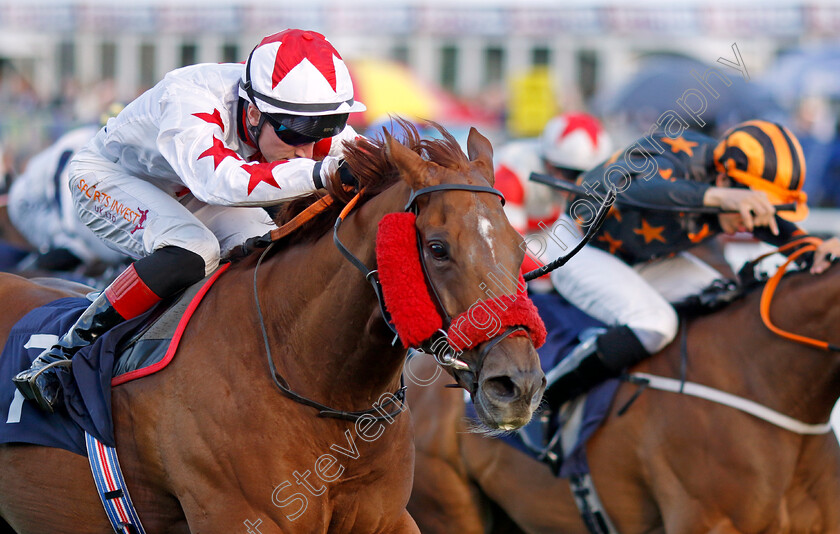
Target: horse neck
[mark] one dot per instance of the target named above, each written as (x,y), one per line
(738,353)
(327,325)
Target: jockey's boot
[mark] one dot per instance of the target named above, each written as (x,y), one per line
(126,297)
(601,355)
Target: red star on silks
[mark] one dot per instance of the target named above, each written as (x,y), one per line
(650,232)
(579,121)
(702,234)
(219,152)
(296,45)
(261,172)
(680,144)
(612,242)
(212,118)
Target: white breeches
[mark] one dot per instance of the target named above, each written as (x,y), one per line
(136,217)
(613,292)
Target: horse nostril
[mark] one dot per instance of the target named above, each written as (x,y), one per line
(500,387)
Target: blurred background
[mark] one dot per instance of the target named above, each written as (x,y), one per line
(505,67)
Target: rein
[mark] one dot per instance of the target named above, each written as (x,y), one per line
(323,411)
(809,245)
(596,224)
(311,211)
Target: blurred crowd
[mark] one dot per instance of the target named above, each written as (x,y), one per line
(802,90)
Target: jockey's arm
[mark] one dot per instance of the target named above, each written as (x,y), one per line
(674,191)
(216,174)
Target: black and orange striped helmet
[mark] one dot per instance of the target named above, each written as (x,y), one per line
(765,156)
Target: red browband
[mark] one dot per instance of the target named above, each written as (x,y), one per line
(415,315)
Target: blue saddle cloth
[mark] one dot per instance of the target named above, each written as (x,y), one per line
(10,256)
(564,323)
(88,397)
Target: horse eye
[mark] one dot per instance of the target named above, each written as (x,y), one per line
(438,250)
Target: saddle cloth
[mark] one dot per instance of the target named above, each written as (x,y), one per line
(135,348)
(564,323)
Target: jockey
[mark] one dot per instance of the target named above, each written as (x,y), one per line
(42,210)
(179,177)
(637,265)
(569,144)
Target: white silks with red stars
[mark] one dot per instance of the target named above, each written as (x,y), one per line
(182,133)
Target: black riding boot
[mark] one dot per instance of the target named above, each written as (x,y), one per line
(593,361)
(41,383)
(142,285)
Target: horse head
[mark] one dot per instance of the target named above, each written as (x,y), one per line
(460,297)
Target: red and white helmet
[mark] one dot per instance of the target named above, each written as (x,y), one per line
(575,141)
(298,72)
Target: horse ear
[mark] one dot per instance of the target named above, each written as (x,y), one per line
(478,146)
(412,167)
(480,151)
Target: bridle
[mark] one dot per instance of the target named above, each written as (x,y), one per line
(372,276)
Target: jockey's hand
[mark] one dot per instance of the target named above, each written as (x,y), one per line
(346,176)
(342,185)
(826,252)
(754,208)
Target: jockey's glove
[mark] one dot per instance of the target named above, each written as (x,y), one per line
(346,176)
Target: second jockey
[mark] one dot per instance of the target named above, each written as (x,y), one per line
(636,266)
(41,208)
(180,176)
(570,144)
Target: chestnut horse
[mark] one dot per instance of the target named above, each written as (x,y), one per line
(671,462)
(209,444)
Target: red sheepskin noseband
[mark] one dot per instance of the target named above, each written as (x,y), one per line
(415,315)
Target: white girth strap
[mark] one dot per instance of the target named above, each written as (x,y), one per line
(715,395)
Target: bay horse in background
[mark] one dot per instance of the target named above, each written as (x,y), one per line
(671,463)
(210,445)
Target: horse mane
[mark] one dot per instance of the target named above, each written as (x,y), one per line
(367,159)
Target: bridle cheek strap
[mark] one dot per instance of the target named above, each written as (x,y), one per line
(415,314)
(490,318)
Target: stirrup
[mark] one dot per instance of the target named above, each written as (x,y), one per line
(26,384)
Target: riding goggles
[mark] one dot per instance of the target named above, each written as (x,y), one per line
(297,130)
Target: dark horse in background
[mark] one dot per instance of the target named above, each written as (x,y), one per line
(209,442)
(672,463)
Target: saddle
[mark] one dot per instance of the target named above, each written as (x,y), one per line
(133,349)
